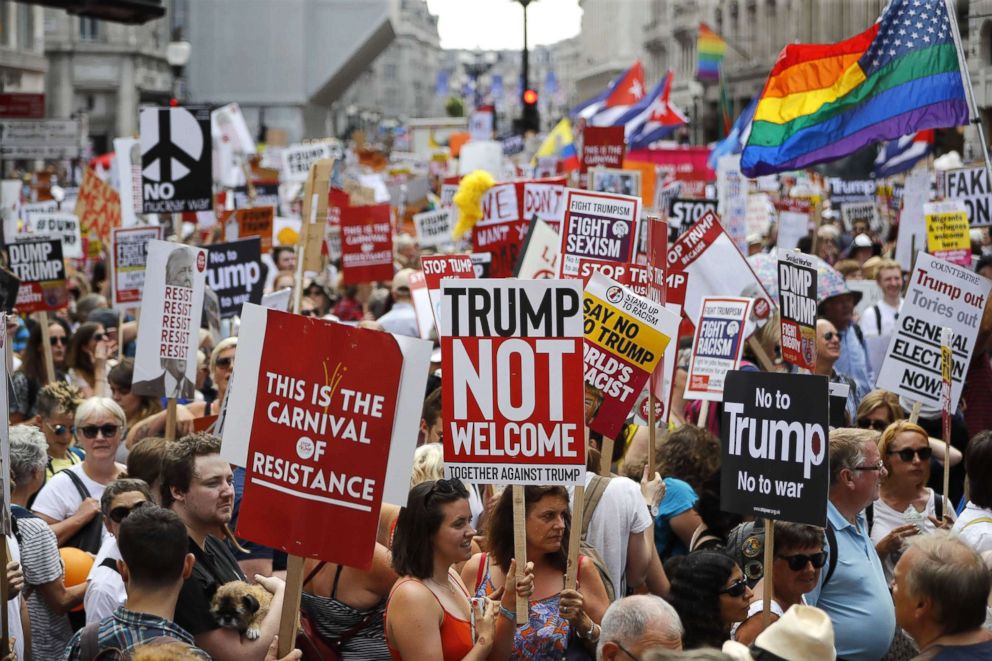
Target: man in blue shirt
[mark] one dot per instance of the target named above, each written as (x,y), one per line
(857,597)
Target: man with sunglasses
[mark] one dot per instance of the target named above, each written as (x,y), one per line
(856,597)
(106,592)
(56,408)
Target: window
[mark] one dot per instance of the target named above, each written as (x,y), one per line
(985,43)
(25,26)
(89,28)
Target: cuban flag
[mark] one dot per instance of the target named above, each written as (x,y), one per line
(900,155)
(625,90)
(654,118)
(735,140)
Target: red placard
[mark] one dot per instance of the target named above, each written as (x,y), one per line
(320,437)
(598,233)
(40,268)
(256,221)
(602,146)
(438,267)
(366,244)
(98,207)
(18,105)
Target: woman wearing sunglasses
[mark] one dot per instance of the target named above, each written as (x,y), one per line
(70,501)
(799,557)
(710,594)
(221,369)
(880,408)
(906,506)
(88,360)
(827,354)
(32,374)
(430,613)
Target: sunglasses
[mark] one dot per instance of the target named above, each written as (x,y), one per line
(99,337)
(447,488)
(830,335)
(118,514)
(798,562)
(907,454)
(224,363)
(736,588)
(876,425)
(308,313)
(90,431)
(58,340)
(877,467)
(58,430)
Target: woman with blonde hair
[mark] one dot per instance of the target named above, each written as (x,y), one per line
(880,408)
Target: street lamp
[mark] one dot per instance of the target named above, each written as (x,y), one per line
(177,55)
(696,91)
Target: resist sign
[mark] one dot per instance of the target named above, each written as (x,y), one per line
(513,396)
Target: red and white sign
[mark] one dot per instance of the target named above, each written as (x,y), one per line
(625,338)
(705,262)
(256,221)
(19,105)
(40,268)
(602,146)
(598,233)
(366,244)
(421,304)
(127,266)
(512,392)
(438,267)
(98,207)
(538,257)
(717,346)
(321,439)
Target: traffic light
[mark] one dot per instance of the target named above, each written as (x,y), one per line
(531,118)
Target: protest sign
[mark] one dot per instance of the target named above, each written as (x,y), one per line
(717,347)
(861,212)
(732,190)
(127,166)
(774,453)
(9,287)
(947,231)
(228,125)
(439,267)
(544,199)
(176,160)
(838,403)
(793,221)
(433,227)
(602,146)
(912,228)
(366,244)
(760,212)
(512,398)
(939,295)
(598,233)
(422,304)
(324,442)
(970,185)
(127,266)
(797,303)
(62,226)
(41,270)
(843,191)
(665,192)
(538,258)
(277,300)
(612,180)
(171,307)
(683,213)
(625,337)
(297,159)
(256,221)
(234,273)
(705,262)
(98,207)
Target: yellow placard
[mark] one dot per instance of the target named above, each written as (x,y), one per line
(622,335)
(947,231)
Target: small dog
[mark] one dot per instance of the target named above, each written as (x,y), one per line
(238,605)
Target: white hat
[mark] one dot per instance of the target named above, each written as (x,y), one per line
(804,632)
(862,241)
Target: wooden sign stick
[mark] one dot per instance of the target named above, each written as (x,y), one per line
(575,535)
(170,420)
(914,415)
(120,336)
(606,456)
(4,596)
(289,617)
(652,423)
(520,546)
(759,353)
(46,344)
(768,579)
(704,414)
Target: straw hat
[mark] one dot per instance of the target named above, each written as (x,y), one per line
(804,632)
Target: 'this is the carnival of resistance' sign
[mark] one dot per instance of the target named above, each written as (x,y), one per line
(513,406)
(774,456)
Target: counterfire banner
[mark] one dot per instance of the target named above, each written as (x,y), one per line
(625,337)
(322,438)
(939,295)
(512,394)
(598,233)
(41,270)
(127,268)
(774,451)
(168,330)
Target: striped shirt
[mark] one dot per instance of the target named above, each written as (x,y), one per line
(42,564)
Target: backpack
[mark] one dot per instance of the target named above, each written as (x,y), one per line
(746,545)
(89,537)
(90,649)
(593,494)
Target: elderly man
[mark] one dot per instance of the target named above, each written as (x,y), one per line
(940,588)
(856,596)
(634,624)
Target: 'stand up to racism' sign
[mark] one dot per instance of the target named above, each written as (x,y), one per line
(512,401)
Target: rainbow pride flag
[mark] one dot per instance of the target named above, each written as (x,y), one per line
(711,49)
(825,101)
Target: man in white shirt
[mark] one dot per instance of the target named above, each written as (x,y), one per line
(401,319)
(106,592)
(878,322)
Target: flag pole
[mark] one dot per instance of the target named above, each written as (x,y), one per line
(976,118)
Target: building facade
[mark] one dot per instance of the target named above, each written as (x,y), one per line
(610,40)
(22,48)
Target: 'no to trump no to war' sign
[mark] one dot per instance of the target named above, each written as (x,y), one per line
(939,294)
(774,456)
(234,273)
(168,331)
(625,337)
(598,233)
(325,439)
(127,265)
(40,268)
(512,396)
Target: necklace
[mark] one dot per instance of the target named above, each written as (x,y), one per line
(446,588)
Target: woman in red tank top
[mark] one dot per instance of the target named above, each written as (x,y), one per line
(430,614)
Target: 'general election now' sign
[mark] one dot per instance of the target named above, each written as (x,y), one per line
(512,394)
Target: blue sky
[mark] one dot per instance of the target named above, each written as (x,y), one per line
(498,24)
